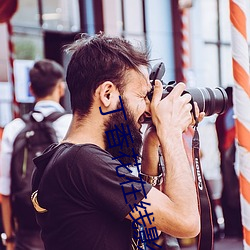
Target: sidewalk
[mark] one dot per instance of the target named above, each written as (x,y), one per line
(223,244)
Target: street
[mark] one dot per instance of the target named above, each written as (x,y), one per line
(223,244)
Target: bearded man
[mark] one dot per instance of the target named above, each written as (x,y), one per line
(85,193)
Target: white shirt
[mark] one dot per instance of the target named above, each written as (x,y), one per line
(11,131)
(210,160)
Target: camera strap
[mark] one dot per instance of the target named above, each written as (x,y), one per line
(205,238)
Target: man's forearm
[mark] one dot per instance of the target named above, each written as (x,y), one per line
(179,182)
(150,166)
(150,155)
(7,215)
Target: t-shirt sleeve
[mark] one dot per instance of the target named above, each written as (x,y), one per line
(10,133)
(100,181)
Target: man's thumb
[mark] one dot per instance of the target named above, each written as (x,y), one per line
(157,92)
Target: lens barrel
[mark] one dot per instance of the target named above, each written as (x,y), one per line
(210,101)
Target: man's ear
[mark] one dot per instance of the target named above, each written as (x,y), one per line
(62,88)
(31,90)
(107,91)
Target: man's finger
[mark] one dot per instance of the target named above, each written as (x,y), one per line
(199,115)
(157,93)
(178,90)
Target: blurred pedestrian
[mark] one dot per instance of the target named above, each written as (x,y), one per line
(225,126)
(48,86)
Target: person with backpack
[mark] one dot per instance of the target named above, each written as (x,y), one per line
(23,139)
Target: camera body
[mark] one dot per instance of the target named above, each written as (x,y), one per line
(210,101)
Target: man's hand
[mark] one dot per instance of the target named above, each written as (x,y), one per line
(172,114)
(10,246)
(175,208)
(7,220)
(199,115)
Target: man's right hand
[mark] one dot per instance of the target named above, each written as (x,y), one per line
(172,114)
(175,209)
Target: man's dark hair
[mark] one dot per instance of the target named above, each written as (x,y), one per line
(96,59)
(44,76)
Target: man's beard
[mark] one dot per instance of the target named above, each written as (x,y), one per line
(129,152)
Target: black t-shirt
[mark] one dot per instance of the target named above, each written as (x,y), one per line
(84,198)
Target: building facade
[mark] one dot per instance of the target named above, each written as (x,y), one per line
(194,42)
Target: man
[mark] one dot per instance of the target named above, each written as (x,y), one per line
(87,197)
(225,125)
(47,86)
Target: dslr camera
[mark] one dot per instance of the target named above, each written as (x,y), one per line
(210,101)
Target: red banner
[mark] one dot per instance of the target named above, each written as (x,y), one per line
(7,9)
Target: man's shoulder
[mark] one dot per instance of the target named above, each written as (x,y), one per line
(61,125)
(81,150)
(13,128)
(94,155)
(16,122)
(84,157)
(64,117)
(92,150)
(63,120)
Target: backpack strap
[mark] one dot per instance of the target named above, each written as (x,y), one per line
(54,116)
(44,122)
(51,118)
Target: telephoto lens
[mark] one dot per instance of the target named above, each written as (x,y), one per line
(210,101)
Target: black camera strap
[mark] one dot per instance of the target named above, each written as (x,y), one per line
(205,238)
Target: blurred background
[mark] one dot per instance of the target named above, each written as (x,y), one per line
(191,37)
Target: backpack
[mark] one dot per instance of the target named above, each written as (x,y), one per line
(37,135)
